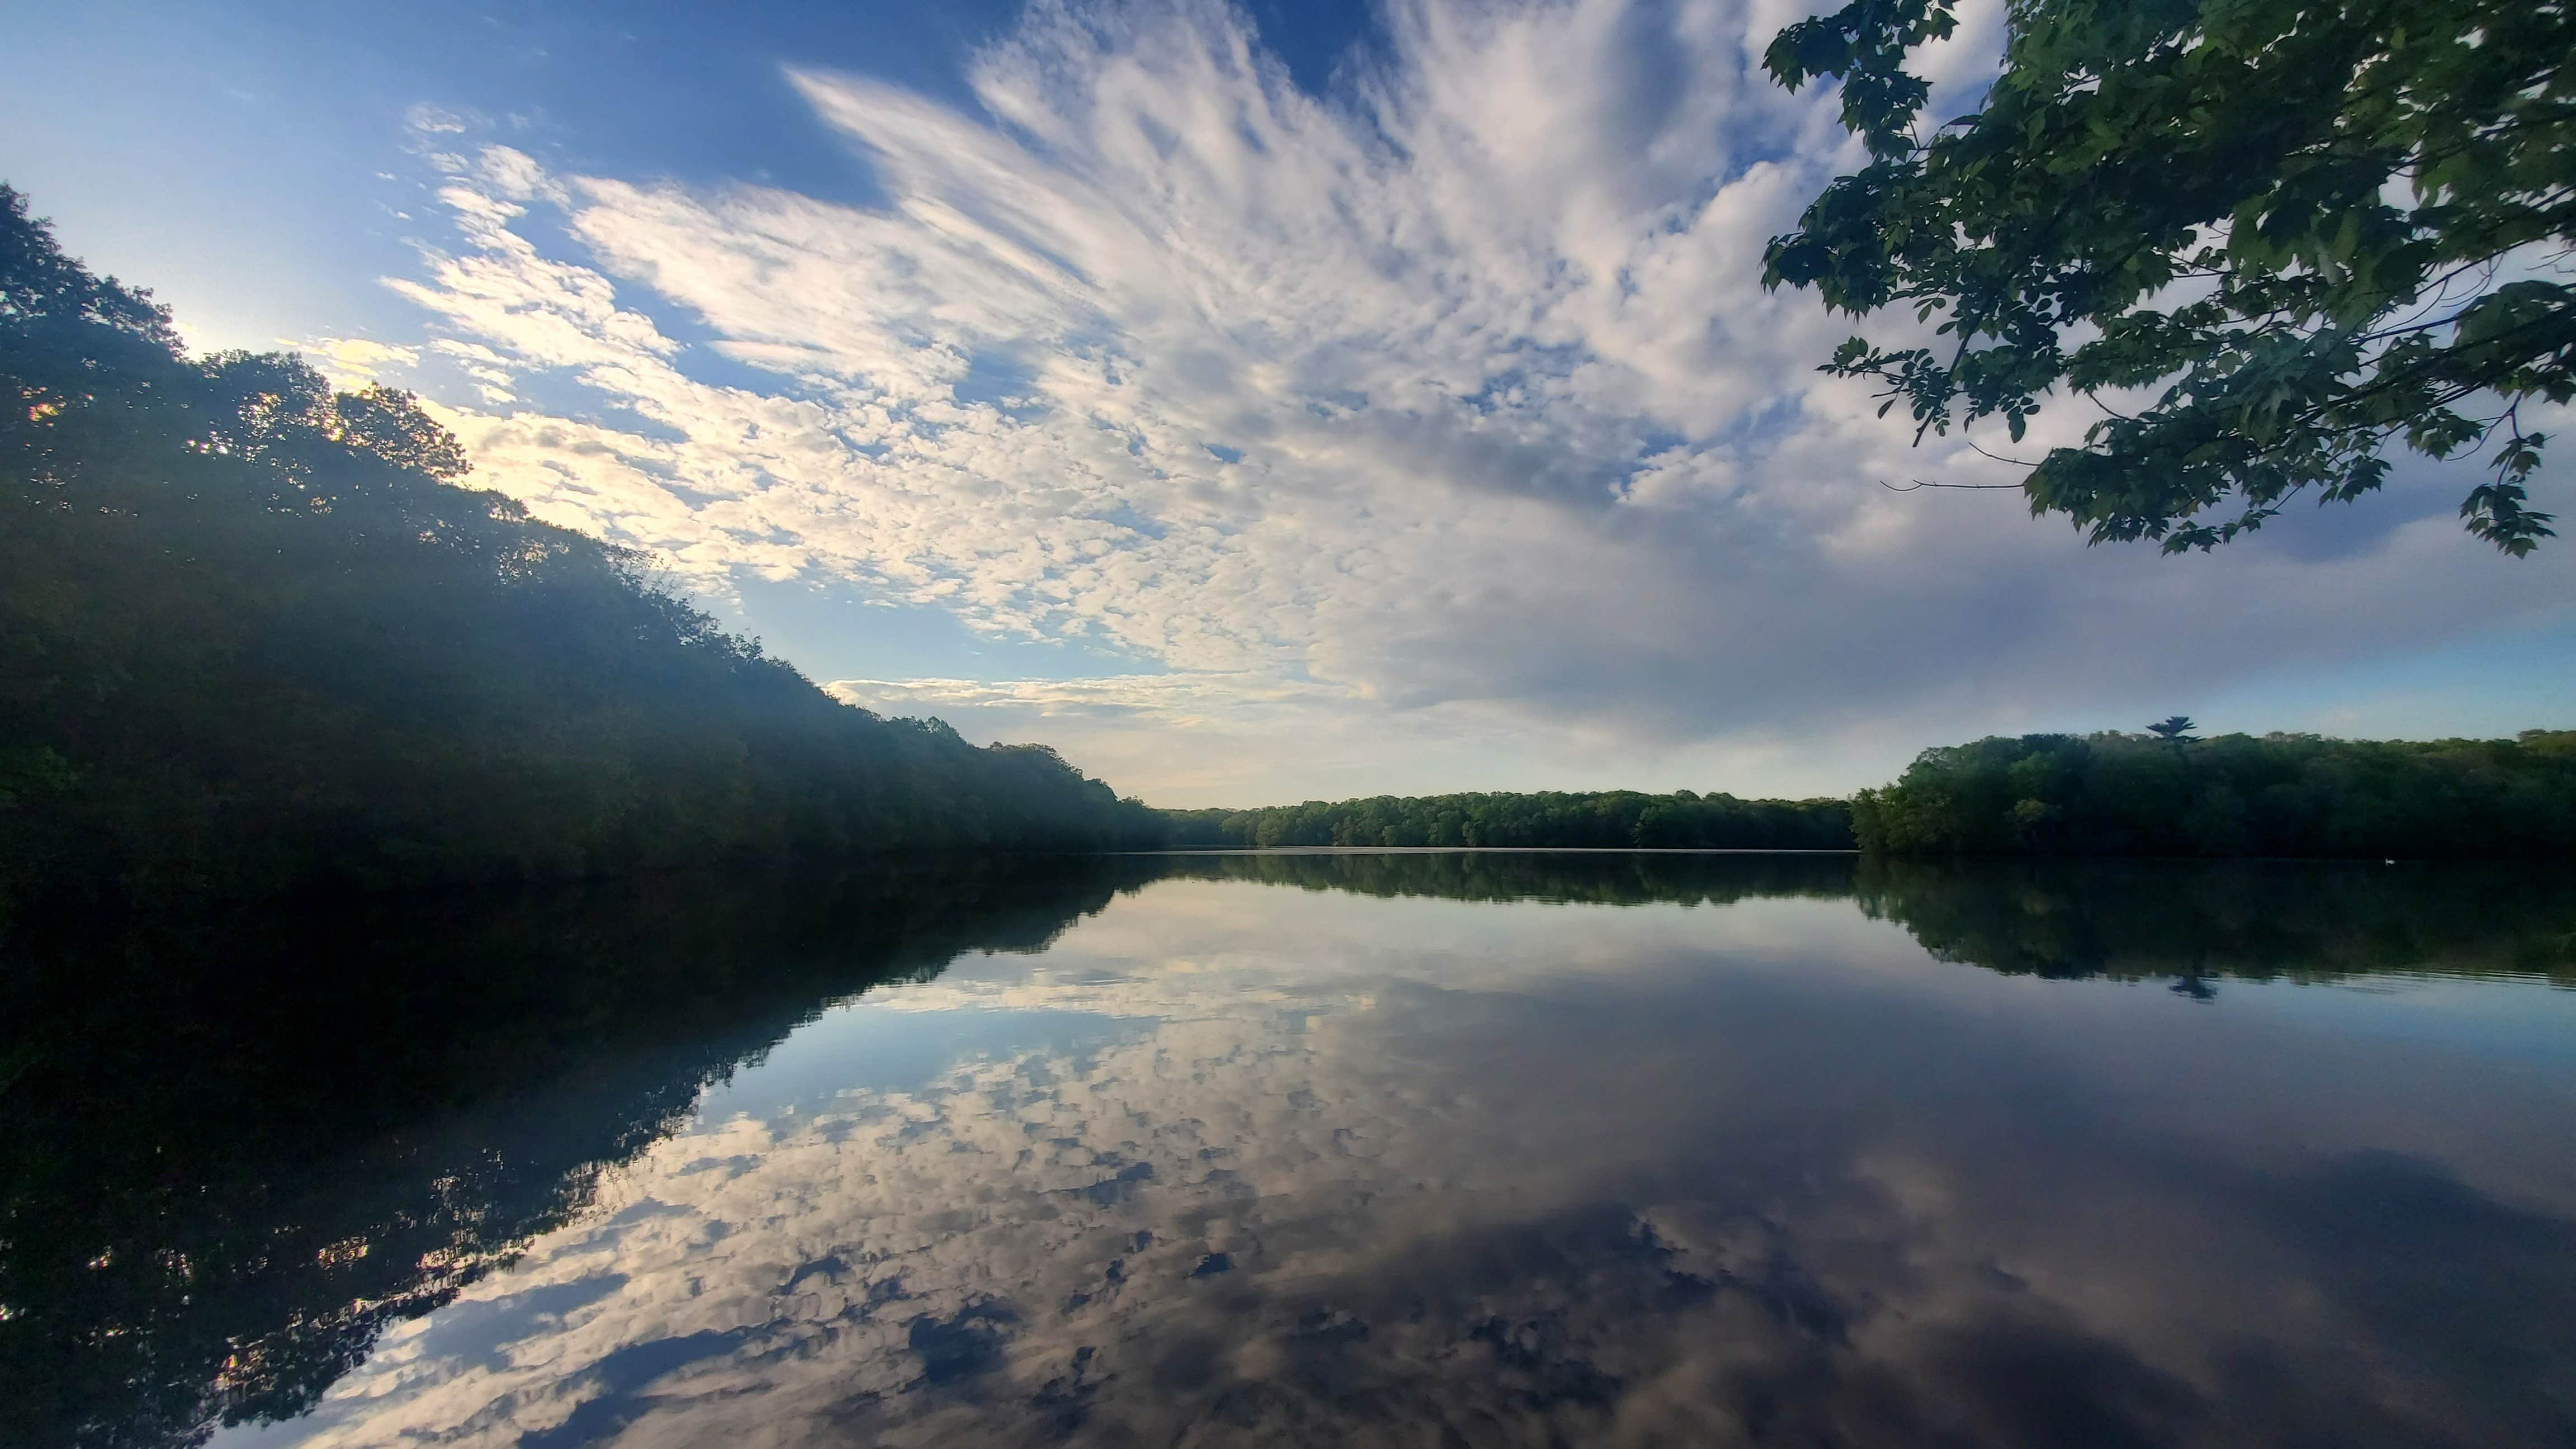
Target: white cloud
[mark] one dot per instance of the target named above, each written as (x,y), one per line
(1449,405)
(353,362)
(429,120)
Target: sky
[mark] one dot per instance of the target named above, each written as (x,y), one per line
(1258,402)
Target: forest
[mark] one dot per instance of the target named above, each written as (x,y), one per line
(2112,793)
(2233,795)
(254,636)
(1607,820)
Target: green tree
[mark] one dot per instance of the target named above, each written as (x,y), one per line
(2271,238)
(391,424)
(2281,794)
(2177,728)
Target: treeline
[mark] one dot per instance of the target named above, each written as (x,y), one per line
(1615,879)
(2049,794)
(1609,820)
(2235,795)
(252,635)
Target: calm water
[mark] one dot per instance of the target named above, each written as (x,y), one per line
(1440,1149)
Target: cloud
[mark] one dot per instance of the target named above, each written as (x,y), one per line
(352,362)
(428,120)
(1450,396)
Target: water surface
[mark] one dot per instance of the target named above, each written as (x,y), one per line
(1378,1148)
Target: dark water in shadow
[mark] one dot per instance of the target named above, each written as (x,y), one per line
(1447,1148)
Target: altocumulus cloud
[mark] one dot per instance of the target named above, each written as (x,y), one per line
(1432,432)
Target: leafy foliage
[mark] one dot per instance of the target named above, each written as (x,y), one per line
(251,637)
(2285,234)
(2282,795)
(1616,819)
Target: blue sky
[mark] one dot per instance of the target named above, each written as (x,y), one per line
(1259,402)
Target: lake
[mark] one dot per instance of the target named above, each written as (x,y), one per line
(1437,1148)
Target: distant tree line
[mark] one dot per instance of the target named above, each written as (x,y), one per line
(2164,792)
(2276,795)
(1609,879)
(253,635)
(1611,819)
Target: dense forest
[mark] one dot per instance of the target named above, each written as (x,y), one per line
(253,635)
(2277,795)
(1610,820)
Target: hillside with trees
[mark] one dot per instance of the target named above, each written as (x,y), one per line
(2167,793)
(253,635)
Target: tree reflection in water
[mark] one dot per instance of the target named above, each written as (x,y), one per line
(2252,920)
(1238,1164)
(234,1148)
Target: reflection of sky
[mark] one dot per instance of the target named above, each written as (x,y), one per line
(1231,1163)
(857,1051)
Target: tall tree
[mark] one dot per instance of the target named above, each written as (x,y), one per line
(2274,239)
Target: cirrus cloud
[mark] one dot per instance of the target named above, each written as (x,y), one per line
(1443,413)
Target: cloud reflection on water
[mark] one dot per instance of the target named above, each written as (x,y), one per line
(1235,1164)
